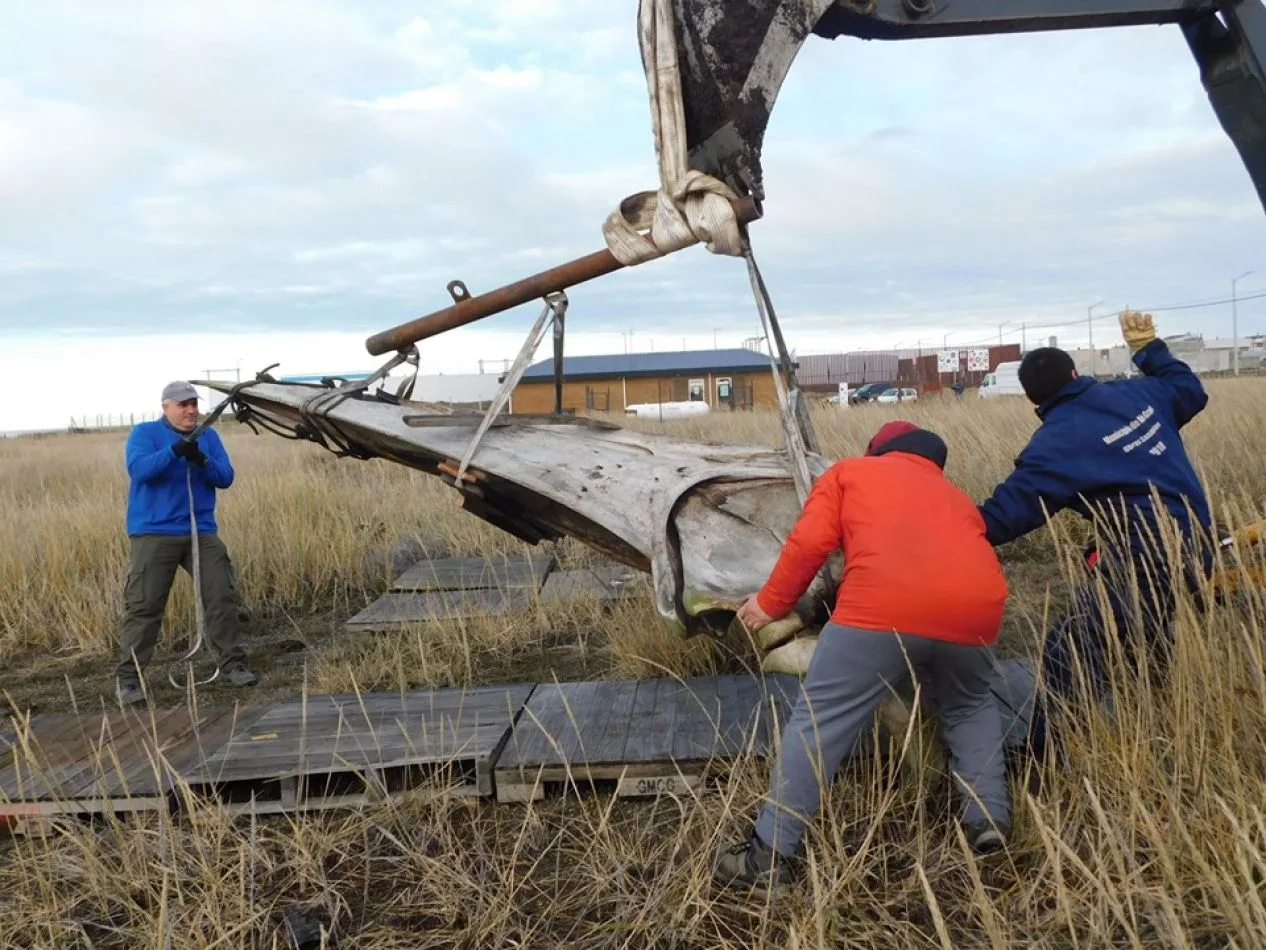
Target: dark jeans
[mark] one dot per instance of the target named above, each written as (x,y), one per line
(1130,616)
(155,559)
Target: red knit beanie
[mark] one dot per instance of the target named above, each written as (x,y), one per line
(889,431)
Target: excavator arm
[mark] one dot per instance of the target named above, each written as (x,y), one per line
(735,54)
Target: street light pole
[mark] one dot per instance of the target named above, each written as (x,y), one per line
(1090,324)
(1090,329)
(1235,325)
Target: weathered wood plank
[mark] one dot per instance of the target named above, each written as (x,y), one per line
(393,610)
(650,736)
(611,735)
(336,746)
(358,751)
(59,763)
(592,583)
(647,722)
(104,763)
(103,774)
(476,573)
(699,720)
(545,731)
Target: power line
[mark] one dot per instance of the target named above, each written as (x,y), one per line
(1167,308)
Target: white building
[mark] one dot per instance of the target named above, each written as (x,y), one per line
(1203,356)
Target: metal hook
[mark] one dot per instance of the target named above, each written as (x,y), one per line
(192,680)
(199,615)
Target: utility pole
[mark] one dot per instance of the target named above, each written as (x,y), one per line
(1024,337)
(1235,325)
(1090,328)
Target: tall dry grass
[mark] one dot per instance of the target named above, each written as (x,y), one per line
(1151,831)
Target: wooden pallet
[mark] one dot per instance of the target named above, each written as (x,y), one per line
(393,611)
(506,572)
(331,751)
(638,737)
(66,764)
(605,583)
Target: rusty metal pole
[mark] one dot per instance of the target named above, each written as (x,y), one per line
(558,360)
(467,309)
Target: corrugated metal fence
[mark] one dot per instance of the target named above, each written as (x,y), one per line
(921,369)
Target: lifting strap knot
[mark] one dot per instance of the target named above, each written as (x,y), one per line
(690,206)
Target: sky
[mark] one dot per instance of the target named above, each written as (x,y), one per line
(188,186)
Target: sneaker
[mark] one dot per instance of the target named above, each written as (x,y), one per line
(129,693)
(983,837)
(754,867)
(238,675)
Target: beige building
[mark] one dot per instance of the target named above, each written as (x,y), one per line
(730,379)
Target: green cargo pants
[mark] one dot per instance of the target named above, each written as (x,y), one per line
(155,558)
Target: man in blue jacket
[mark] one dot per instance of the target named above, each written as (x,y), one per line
(1112,452)
(159,461)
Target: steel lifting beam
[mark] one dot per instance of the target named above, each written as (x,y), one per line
(913,19)
(467,308)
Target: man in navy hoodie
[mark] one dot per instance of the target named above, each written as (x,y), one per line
(160,459)
(1112,452)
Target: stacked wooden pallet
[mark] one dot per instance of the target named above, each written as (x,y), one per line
(465,588)
(517,742)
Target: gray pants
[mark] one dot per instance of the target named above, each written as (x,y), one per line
(155,559)
(851,672)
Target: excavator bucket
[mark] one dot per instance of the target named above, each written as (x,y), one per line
(734,56)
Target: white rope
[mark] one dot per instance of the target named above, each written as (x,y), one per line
(690,206)
(200,622)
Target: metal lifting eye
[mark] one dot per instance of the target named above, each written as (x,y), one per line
(917,8)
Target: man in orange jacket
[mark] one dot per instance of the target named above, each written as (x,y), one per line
(922,589)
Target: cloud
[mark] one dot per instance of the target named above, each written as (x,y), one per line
(319,167)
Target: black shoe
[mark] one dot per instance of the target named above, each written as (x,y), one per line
(238,675)
(984,837)
(129,693)
(752,867)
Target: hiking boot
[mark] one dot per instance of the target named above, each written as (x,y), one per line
(753,867)
(129,693)
(238,675)
(983,837)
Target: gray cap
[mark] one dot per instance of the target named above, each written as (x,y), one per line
(179,391)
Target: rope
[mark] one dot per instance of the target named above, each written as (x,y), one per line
(690,206)
(200,623)
(792,431)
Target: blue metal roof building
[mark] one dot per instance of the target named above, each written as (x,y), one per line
(669,363)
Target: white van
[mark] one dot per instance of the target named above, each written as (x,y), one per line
(1003,381)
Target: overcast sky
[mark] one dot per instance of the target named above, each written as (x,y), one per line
(188,183)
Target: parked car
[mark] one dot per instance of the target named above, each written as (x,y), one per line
(868,392)
(898,395)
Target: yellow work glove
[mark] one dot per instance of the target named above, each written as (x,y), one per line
(1137,329)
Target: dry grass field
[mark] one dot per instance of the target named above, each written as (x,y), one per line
(1152,833)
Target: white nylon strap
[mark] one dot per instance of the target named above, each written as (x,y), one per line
(690,206)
